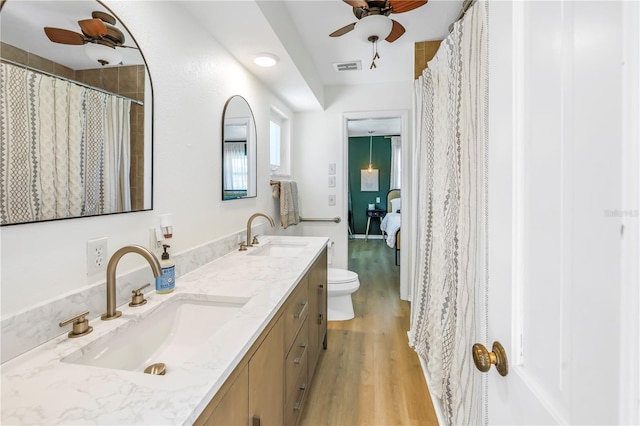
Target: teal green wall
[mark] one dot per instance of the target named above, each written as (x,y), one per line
(359,159)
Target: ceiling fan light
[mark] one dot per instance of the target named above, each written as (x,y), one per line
(374,25)
(102,54)
(265,60)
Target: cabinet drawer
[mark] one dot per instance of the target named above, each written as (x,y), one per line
(294,362)
(295,400)
(296,311)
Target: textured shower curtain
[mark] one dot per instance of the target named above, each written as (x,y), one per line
(449,275)
(64,149)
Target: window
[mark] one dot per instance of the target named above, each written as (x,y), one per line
(274,146)
(279,145)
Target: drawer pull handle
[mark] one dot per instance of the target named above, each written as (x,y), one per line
(298,359)
(256,421)
(298,404)
(304,306)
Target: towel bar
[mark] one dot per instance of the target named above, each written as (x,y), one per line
(326,219)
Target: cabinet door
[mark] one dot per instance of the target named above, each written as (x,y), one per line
(266,379)
(318,310)
(322,266)
(233,408)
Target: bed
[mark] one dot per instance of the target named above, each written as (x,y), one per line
(390,225)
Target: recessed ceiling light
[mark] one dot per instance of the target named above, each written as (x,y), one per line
(265,59)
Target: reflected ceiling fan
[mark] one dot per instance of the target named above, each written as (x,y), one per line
(99,34)
(368,8)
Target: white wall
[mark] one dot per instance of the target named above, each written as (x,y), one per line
(318,139)
(192,78)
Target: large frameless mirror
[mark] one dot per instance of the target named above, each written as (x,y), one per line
(238,150)
(76,109)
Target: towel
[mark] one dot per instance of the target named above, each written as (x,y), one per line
(289,214)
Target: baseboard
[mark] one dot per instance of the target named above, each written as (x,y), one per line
(370,237)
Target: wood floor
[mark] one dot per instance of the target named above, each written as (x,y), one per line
(369,375)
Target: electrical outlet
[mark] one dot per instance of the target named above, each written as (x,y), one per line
(97,256)
(332,181)
(377,199)
(332,168)
(332,200)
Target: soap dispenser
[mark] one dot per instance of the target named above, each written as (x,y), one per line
(167,282)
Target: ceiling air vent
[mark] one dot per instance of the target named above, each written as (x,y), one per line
(347,66)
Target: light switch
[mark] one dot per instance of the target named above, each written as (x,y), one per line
(332,168)
(332,181)
(377,199)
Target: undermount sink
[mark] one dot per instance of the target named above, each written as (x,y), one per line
(167,335)
(279,249)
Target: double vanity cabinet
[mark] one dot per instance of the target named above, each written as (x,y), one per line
(270,385)
(255,328)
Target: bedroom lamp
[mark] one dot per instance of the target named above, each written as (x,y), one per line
(370,169)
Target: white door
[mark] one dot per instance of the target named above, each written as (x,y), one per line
(563,161)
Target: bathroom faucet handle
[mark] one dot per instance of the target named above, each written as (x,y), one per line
(80,325)
(255,240)
(137,298)
(243,246)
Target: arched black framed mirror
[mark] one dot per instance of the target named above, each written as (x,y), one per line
(78,113)
(238,150)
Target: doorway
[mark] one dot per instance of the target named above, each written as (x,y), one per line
(371,173)
(369,148)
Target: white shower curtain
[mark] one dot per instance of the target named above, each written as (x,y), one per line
(117,154)
(449,274)
(64,149)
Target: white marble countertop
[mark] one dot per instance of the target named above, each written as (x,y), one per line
(38,388)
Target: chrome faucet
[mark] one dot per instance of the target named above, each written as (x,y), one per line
(253,216)
(111,275)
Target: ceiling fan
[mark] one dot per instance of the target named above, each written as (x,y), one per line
(366,8)
(99,30)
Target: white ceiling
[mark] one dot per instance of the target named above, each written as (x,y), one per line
(297,31)
(378,127)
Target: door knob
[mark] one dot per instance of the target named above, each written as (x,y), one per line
(483,359)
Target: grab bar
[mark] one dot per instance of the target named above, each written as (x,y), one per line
(326,219)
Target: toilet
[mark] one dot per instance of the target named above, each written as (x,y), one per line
(341,283)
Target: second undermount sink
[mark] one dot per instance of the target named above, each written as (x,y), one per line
(279,249)
(168,335)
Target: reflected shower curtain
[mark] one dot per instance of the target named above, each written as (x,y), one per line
(64,148)
(117,154)
(449,275)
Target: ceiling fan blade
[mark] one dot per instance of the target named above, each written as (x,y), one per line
(396,31)
(93,27)
(357,3)
(58,35)
(103,16)
(114,34)
(343,30)
(401,6)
